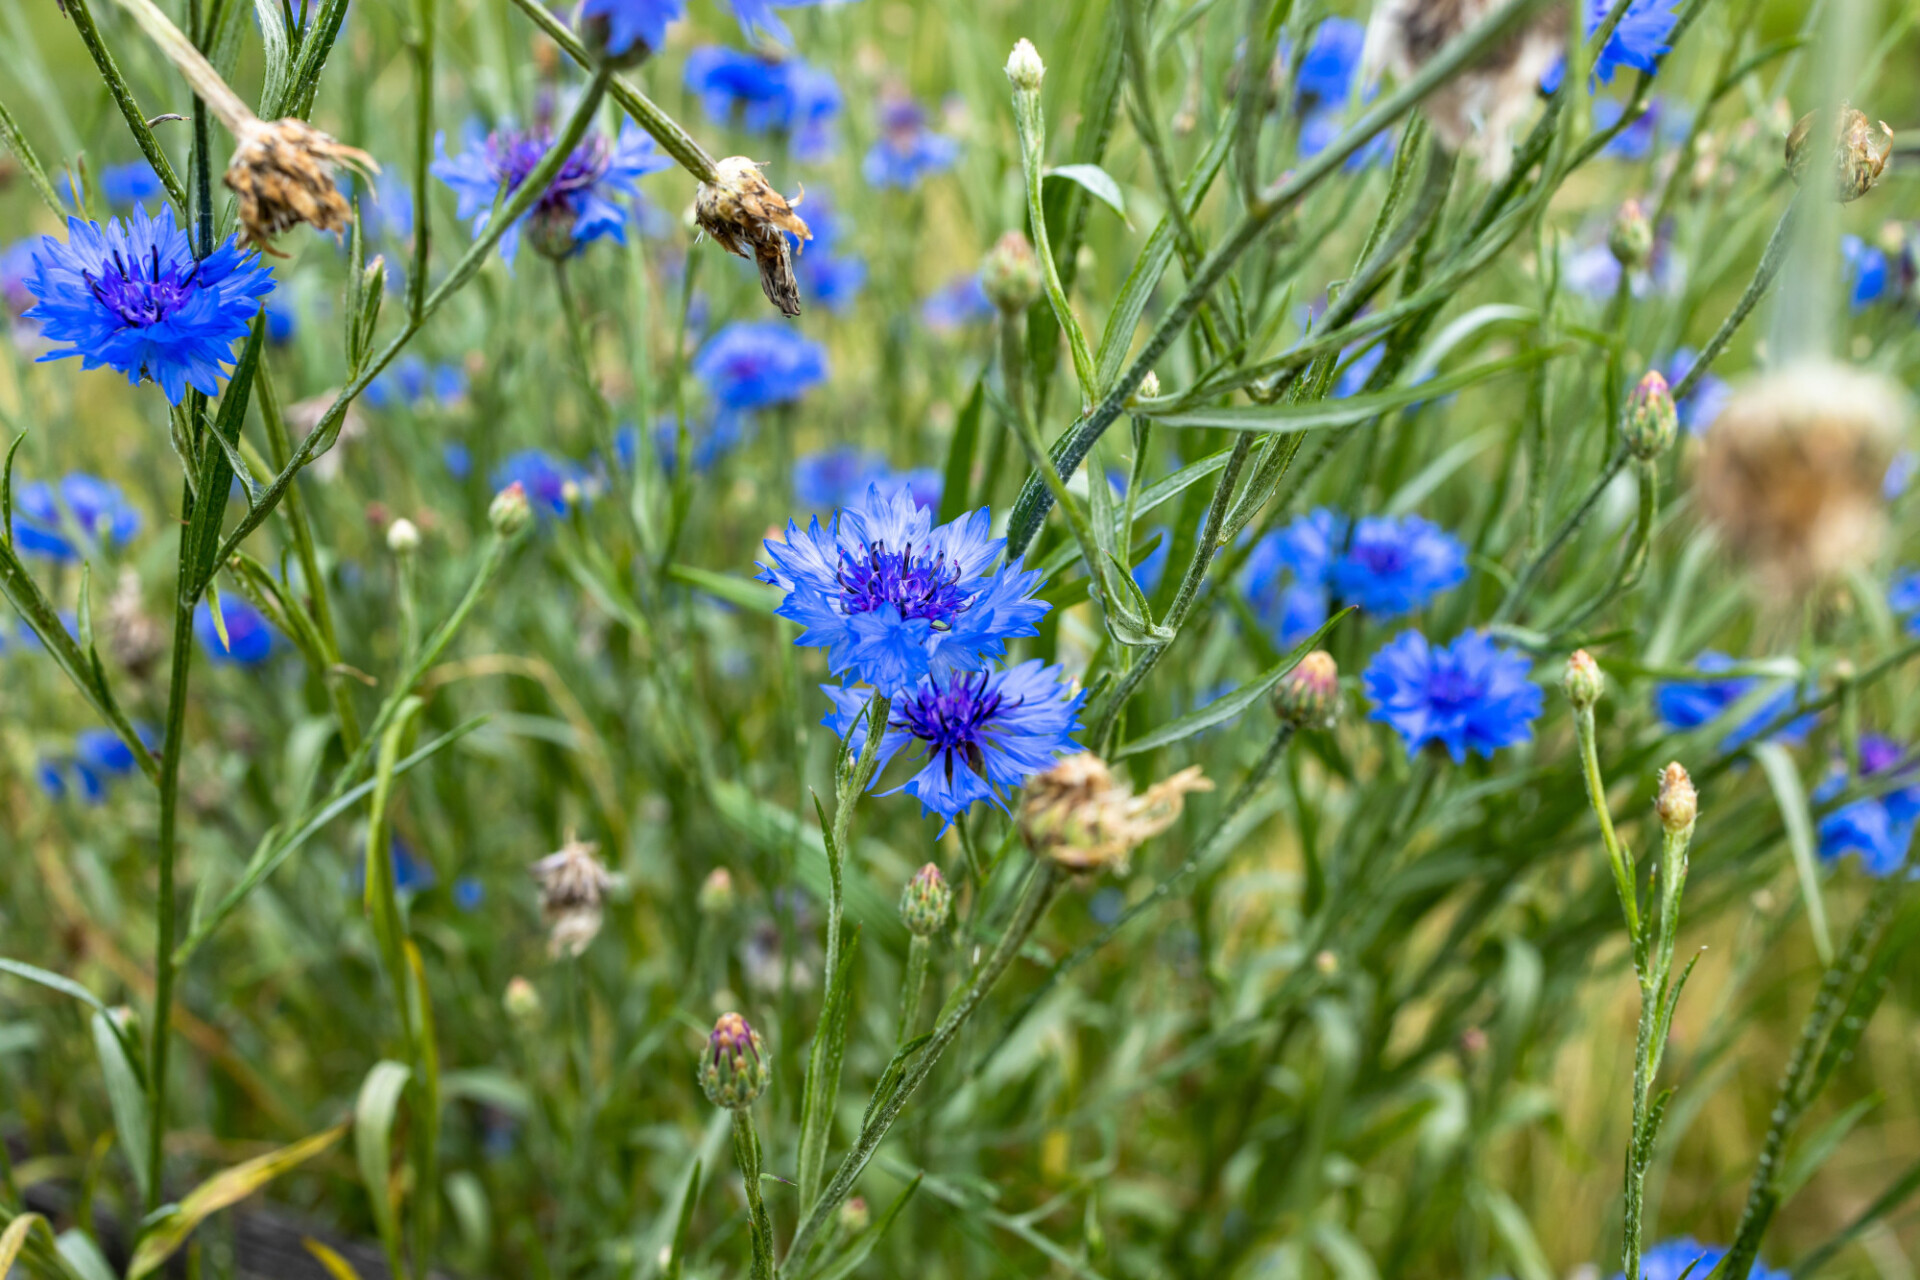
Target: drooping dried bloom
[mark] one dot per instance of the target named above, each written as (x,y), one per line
(1010,273)
(1860,152)
(749,219)
(1078,814)
(733,1070)
(1477,109)
(1308,697)
(1793,468)
(282,172)
(926,902)
(573,883)
(1678,804)
(1652,419)
(1583,682)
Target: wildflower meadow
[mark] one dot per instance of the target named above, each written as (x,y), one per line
(1120,639)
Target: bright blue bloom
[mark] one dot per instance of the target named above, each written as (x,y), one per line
(543,476)
(840,476)
(754,366)
(983,733)
(1671,1259)
(97,507)
(1688,704)
(469,893)
(250,637)
(907,150)
(1877,829)
(768,96)
(578,207)
(280,326)
(130,296)
(1470,696)
(957,304)
(1866,268)
(758,21)
(1332,60)
(1708,397)
(893,599)
(410,380)
(458,459)
(1637,42)
(633,21)
(1394,566)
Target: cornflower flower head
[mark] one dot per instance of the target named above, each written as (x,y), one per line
(1903,597)
(1688,704)
(1392,566)
(1470,696)
(1866,271)
(1637,42)
(958,304)
(893,599)
(250,640)
(981,734)
(839,476)
(1671,1259)
(748,366)
(1880,828)
(760,24)
(551,484)
(768,95)
(1330,63)
(1286,574)
(628,30)
(1707,398)
(130,296)
(907,150)
(98,509)
(578,206)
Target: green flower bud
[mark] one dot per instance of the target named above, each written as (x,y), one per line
(1308,697)
(522,1004)
(1024,67)
(716,896)
(926,902)
(1583,681)
(1678,804)
(1630,239)
(510,513)
(1010,273)
(1652,422)
(733,1071)
(854,1216)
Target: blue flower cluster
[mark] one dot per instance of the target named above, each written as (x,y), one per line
(749,366)
(1471,696)
(768,95)
(1685,1256)
(1877,830)
(99,758)
(48,518)
(907,151)
(251,639)
(1387,566)
(1688,704)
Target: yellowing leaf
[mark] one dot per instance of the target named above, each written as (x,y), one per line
(337,1267)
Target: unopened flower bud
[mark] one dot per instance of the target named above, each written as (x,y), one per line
(716,897)
(282,173)
(1678,804)
(1010,273)
(1308,697)
(733,1071)
(1024,67)
(1583,681)
(522,1003)
(854,1216)
(1652,421)
(1326,963)
(403,538)
(1630,239)
(749,219)
(1473,1042)
(926,902)
(1851,149)
(510,512)
(1149,387)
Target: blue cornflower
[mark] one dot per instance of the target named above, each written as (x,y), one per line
(99,510)
(250,637)
(1903,597)
(983,733)
(1899,474)
(123,186)
(1877,829)
(578,207)
(1470,696)
(457,458)
(410,380)
(1866,269)
(957,304)
(129,295)
(1286,574)
(544,477)
(711,441)
(893,599)
(469,893)
(1637,42)
(280,326)
(99,759)
(1708,397)
(630,22)
(1671,1259)
(1331,61)
(833,278)
(841,475)
(1394,566)
(768,95)
(754,366)
(907,150)
(759,23)
(1688,704)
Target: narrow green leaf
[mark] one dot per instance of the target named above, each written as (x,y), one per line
(373,1117)
(16,142)
(731,587)
(689,1198)
(218,615)
(862,1244)
(1784,777)
(14,1238)
(822,1088)
(6,492)
(1821,1144)
(79,1252)
(126,1096)
(1096,182)
(957,481)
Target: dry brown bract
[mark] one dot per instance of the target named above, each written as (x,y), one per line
(1078,814)
(749,219)
(283,174)
(1791,471)
(1861,151)
(573,883)
(1477,109)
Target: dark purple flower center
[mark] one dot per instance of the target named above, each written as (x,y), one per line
(1451,689)
(917,586)
(514,155)
(954,719)
(1381,557)
(144,293)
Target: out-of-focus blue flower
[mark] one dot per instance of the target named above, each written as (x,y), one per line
(1320,128)
(130,296)
(1394,566)
(458,459)
(1903,597)
(893,599)
(1658,121)
(983,733)
(469,893)
(1353,378)
(1287,572)
(16,264)
(1708,397)
(122,186)
(410,380)
(386,209)
(1899,474)
(1331,61)
(1593,271)
(98,508)
(1470,696)
(1866,268)
(957,304)
(1688,704)
(544,477)
(907,151)
(1637,42)
(832,278)
(711,441)
(250,637)
(1671,1259)
(103,751)
(758,22)
(1148,573)
(280,326)
(754,366)
(99,759)
(630,22)
(579,206)
(840,476)
(1877,829)
(768,95)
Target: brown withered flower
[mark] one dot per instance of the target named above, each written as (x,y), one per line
(573,883)
(1476,110)
(283,174)
(1083,818)
(1860,150)
(1791,471)
(749,219)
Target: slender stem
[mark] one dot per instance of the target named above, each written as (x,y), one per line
(600,410)
(1033,145)
(918,951)
(746,1149)
(1618,858)
(172,747)
(1770,262)
(421,41)
(1530,575)
(1633,563)
(123,98)
(1013,360)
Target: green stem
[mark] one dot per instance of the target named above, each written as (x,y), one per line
(600,411)
(1013,361)
(1770,263)
(1033,144)
(1618,858)
(123,98)
(421,42)
(918,952)
(746,1149)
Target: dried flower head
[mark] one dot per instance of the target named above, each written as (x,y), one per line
(573,883)
(1678,804)
(1791,472)
(1477,109)
(749,219)
(282,171)
(1078,814)
(733,1070)
(1860,152)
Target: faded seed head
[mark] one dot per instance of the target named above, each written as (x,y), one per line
(1860,150)
(749,219)
(1083,818)
(282,172)
(573,883)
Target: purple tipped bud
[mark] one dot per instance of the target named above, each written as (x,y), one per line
(1630,239)
(1308,697)
(926,903)
(510,513)
(855,1216)
(733,1071)
(1010,273)
(1583,681)
(1678,804)
(1652,422)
